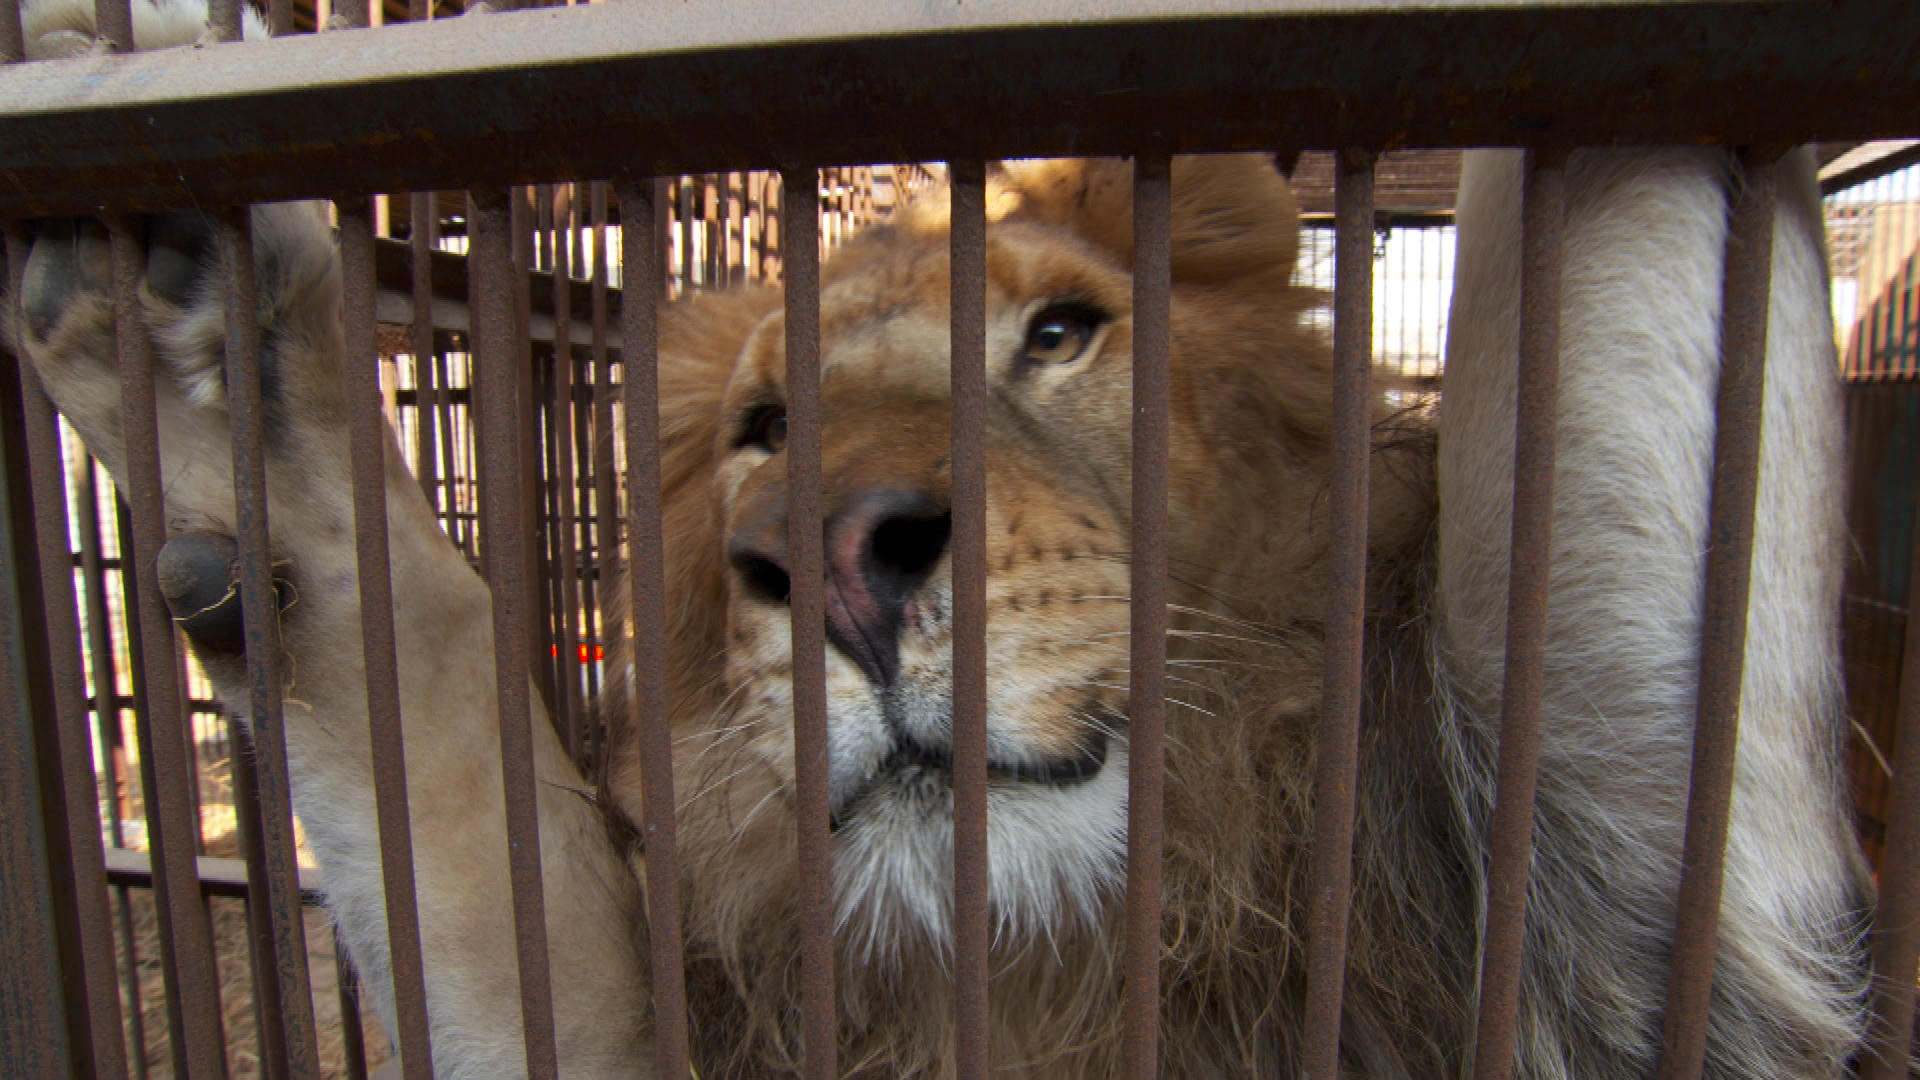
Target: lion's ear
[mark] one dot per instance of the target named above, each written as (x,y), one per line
(1233,214)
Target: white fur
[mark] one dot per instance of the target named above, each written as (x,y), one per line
(56,28)
(1644,244)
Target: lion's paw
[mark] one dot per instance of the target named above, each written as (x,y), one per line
(63,324)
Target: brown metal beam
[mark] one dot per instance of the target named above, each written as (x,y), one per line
(591,91)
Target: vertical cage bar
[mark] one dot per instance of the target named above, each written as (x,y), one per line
(639,326)
(1543,211)
(260,614)
(606,500)
(373,569)
(113,739)
(683,229)
(1338,751)
(524,423)
(353,1037)
(13,44)
(82,921)
(498,390)
(1896,920)
(113,22)
(561,428)
(429,392)
(166,768)
(106,690)
(806,551)
(1147,685)
(34,1037)
(972,933)
(223,19)
(1723,622)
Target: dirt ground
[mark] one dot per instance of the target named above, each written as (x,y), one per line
(236,987)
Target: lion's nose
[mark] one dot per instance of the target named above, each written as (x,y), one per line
(881,546)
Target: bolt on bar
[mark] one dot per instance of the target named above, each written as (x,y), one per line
(33,1029)
(1147,633)
(186,944)
(1543,212)
(1896,921)
(260,614)
(80,911)
(497,396)
(967,257)
(1338,744)
(641,273)
(373,570)
(805,548)
(1723,620)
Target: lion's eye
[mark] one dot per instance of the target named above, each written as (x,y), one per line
(1059,334)
(765,426)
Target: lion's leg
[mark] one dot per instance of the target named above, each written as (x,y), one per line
(1644,243)
(443,623)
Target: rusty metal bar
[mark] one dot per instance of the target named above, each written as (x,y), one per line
(223,19)
(34,1033)
(166,769)
(606,501)
(106,704)
(13,45)
(1147,685)
(641,269)
(113,23)
(1543,212)
(972,931)
(1896,939)
(560,429)
(1337,767)
(431,391)
(217,876)
(274,878)
(806,555)
(682,230)
(455,451)
(113,738)
(373,570)
(353,1037)
(1897,911)
(450,93)
(524,425)
(1723,620)
(82,921)
(498,391)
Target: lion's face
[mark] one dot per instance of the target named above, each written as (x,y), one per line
(1059,357)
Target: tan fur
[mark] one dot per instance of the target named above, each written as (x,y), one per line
(1056,552)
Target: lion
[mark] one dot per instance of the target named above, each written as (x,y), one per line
(1644,240)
